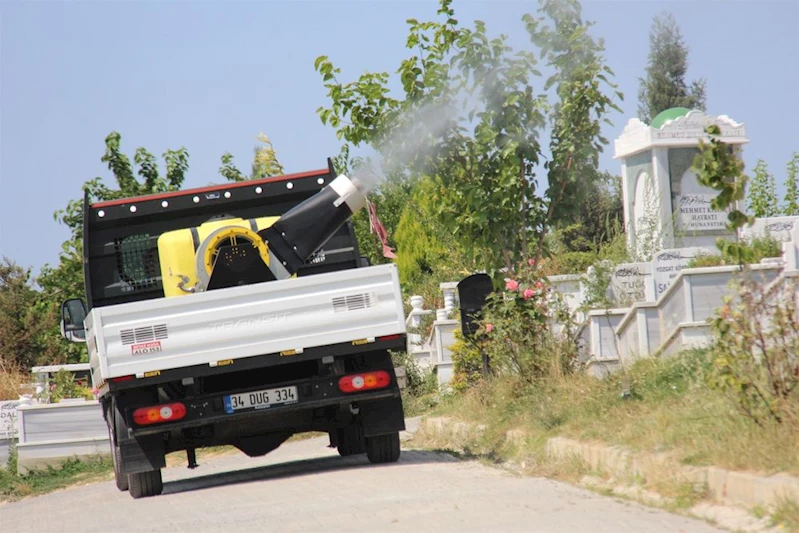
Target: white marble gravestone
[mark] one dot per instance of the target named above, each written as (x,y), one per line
(667,264)
(631,283)
(664,204)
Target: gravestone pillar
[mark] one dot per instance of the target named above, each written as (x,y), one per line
(665,206)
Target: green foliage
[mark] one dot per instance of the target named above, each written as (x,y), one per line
(763,192)
(467,363)
(599,219)
(718,167)
(703,260)
(741,252)
(482,159)
(419,381)
(25,320)
(792,187)
(755,362)
(424,249)
(64,386)
(664,86)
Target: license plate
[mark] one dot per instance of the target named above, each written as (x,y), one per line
(262,399)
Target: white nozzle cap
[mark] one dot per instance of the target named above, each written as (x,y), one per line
(349,193)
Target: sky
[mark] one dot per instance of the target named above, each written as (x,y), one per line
(210,75)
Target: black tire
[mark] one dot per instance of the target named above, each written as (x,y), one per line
(350,441)
(146,484)
(120,478)
(383,448)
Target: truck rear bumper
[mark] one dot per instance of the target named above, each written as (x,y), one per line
(215,409)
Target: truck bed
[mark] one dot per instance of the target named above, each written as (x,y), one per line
(215,327)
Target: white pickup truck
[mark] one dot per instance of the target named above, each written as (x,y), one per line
(237,314)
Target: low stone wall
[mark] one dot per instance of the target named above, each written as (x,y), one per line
(52,433)
(730,487)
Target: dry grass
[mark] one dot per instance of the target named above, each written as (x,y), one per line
(11,379)
(669,409)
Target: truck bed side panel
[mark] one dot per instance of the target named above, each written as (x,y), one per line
(264,318)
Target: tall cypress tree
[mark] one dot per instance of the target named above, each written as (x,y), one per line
(664,86)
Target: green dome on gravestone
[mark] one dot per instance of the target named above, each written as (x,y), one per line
(669,114)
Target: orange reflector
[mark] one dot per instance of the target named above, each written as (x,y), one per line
(156,414)
(379,379)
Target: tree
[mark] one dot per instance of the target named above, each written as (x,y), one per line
(792,187)
(470,121)
(600,217)
(763,192)
(664,86)
(264,164)
(22,324)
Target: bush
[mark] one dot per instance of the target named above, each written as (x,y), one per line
(420,382)
(756,360)
(735,253)
(64,386)
(517,329)
(467,363)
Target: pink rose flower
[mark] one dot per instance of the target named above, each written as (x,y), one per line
(538,285)
(531,262)
(489,328)
(511,285)
(528,293)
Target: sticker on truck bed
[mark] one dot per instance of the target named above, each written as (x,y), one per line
(145,348)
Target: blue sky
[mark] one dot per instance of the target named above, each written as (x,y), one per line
(210,75)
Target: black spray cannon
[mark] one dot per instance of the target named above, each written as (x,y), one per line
(300,232)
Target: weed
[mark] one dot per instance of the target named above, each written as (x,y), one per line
(786,515)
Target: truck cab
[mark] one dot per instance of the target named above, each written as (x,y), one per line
(237,314)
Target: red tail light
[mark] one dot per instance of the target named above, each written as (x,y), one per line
(122,378)
(155,414)
(366,381)
(389,337)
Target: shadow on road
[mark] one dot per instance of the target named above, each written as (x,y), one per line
(298,468)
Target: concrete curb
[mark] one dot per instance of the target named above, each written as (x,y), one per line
(725,486)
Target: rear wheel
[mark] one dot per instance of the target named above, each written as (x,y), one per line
(350,441)
(120,478)
(383,448)
(146,484)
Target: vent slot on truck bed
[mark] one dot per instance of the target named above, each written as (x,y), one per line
(353,302)
(145,334)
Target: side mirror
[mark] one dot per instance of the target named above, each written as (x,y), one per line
(73,313)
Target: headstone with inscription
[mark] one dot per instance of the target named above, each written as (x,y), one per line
(665,205)
(8,419)
(668,263)
(780,228)
(630,282)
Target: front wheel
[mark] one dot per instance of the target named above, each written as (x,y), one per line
(146,484)
(383,448)
(120,478)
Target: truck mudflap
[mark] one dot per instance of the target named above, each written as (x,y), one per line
(376,392)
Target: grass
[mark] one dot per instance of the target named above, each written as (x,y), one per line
(11,379)
(786,516)
(669,409)
(69,473)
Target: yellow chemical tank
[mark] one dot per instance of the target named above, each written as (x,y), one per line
(187,255)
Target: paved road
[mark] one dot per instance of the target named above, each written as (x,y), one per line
(304,486)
